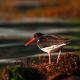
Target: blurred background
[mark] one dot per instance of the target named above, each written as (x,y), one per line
(20,19)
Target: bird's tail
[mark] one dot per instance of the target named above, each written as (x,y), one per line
(67,41)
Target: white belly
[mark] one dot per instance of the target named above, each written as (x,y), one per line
(53,47)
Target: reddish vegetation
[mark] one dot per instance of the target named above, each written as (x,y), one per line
(68,66)
(60,9)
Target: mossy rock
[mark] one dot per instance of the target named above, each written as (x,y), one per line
(23,73)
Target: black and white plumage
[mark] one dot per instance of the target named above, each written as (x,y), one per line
(49,43)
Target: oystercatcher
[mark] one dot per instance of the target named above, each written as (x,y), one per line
(49,43)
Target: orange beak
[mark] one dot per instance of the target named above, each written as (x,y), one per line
(31,41)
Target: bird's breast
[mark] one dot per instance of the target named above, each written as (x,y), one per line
(51,48)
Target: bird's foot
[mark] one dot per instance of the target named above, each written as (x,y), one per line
(49,65)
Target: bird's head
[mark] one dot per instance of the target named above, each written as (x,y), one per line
(35,38)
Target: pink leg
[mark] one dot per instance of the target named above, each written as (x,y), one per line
(58,59)
(50,58)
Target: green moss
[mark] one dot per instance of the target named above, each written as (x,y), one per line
(24,73)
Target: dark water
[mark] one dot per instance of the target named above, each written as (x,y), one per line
(12,46)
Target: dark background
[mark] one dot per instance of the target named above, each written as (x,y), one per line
(20,20)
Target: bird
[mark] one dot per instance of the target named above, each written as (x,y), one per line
(49,43)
